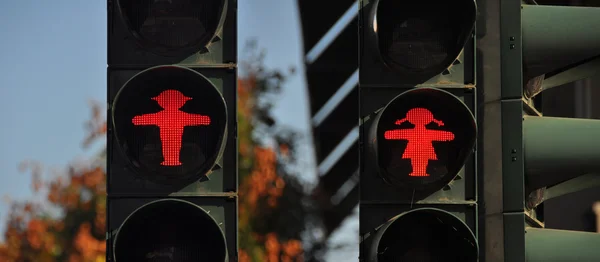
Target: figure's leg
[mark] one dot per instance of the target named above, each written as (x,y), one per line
(171,146)
(419,166)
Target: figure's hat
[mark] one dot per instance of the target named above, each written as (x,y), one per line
(171,98)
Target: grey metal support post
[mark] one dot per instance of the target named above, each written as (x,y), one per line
(490,148)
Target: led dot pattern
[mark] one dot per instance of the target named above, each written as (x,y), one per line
(423,138)
(419,148)
(170,123)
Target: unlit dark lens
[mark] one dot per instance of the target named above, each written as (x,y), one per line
(419,36)
(170,231)
(173,23)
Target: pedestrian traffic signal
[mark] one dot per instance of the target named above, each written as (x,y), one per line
(528,157)
(423,138)
(170,122)
(172,130)
(559,154)
(418,179)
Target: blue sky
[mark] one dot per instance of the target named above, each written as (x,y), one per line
(54,61)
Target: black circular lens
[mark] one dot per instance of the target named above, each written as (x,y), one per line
(170,122)
(169,230)
(173,24)
(424,137)
(426,235)
(422,36)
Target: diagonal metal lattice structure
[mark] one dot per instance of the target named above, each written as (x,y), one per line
(331,58)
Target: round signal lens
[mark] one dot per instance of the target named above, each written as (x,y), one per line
(173,24)
(170,122)
(424,137)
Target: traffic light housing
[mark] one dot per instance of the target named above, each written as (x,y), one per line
(418,179)
(172,136)
(542,157)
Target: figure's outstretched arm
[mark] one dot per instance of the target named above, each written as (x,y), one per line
(194,120)
(441,135)
(145,119)
(398,134)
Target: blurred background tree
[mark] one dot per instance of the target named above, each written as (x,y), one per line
(272,213)
(69,223)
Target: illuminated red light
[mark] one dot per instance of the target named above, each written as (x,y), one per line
(171,122)
(419,148)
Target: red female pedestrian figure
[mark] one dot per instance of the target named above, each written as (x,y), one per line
(419,148)
(171,122)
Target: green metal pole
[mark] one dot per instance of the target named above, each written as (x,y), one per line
(550,245)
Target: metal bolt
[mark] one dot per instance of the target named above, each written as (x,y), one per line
(512,46)
(514,159)
(512,38)
(514,151)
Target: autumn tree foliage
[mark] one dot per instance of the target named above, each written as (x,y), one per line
(271,214)
(68,225)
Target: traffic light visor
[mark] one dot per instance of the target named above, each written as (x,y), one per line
(422,37)
(170,122)
(172,24)
(425,234)
(170,230)
(423,138)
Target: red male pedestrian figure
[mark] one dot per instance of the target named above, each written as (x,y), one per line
(171,122)
(419,148)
